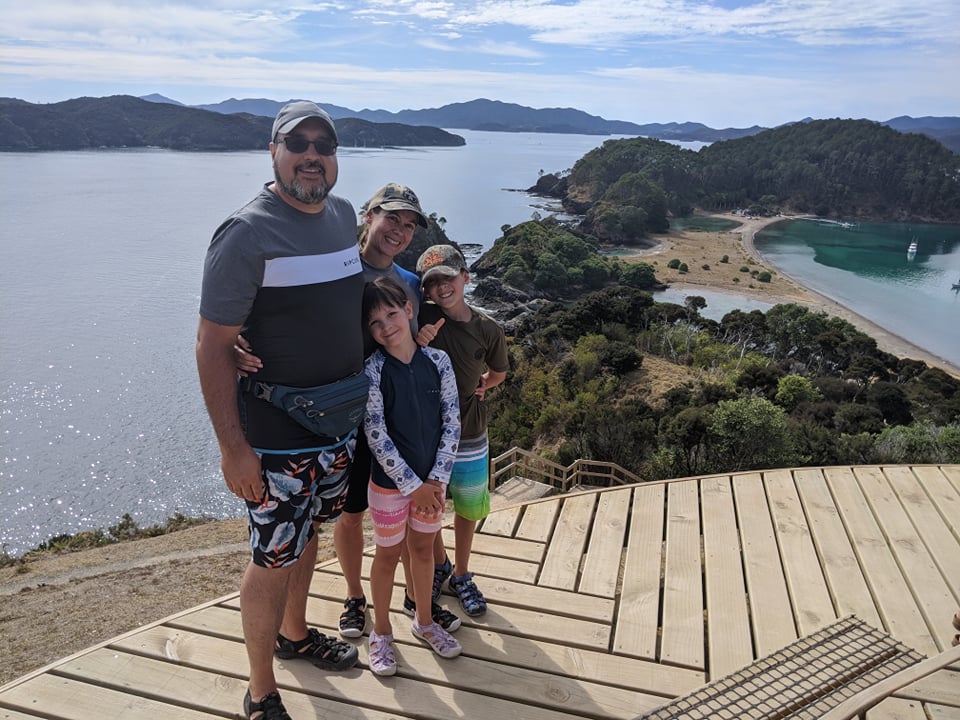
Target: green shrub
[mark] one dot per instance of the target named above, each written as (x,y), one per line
(673,264)
(764,276)
(744,269)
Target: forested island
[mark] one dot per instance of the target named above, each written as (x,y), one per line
(123,121)
(851,169)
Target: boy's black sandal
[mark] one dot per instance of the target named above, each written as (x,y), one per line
(322,650)
(353,618)
(269,705)
(471,599)
(439,614)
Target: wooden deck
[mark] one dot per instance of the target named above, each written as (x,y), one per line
(602,604)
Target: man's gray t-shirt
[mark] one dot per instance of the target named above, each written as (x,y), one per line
(293,282)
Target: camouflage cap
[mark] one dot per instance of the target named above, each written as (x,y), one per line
(394,196)
(292,114)
(443,260)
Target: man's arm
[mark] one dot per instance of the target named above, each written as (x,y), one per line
(218,381)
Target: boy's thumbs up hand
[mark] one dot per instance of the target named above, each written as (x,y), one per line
(428,333)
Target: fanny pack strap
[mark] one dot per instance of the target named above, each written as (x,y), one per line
(261,390)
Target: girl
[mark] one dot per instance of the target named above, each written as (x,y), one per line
(412,424)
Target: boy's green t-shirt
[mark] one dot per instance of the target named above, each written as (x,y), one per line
(473,346)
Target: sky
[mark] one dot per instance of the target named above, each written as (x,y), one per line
(725,63)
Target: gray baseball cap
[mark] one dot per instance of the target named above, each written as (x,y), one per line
(292,114)
(394,196)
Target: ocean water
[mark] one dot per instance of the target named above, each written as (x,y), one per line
(867,268)
(101,254)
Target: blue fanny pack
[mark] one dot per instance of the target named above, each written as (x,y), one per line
(333,410)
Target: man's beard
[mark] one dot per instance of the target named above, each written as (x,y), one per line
(308,196)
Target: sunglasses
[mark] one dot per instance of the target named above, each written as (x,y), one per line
(299,144)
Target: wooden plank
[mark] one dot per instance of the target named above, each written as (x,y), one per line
(812,606)
(929,587)
(683,628)
(728,622)
(538,520)
(845,580)
(66,699)
(942,687)
(426,685)
(946,501)
(770,611)
(952,474)
(419,665)
(504,547)
(601,567)
(14,715)
(942,712)
(501,522)
(561,566)
(517,621)
(331,586)
(898,611)
(897,709)
(555,657)
(212,690)
(483,565)
(635,632)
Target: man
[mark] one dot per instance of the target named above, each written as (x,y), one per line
(390,218)
(284,269)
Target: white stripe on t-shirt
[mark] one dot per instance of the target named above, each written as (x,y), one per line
(312,269)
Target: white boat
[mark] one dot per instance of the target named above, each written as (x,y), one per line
(912,250)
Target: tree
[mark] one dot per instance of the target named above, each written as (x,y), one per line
(639,275)
(795,389)
(750,434)
(694,303)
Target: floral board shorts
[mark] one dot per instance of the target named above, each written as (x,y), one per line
(302,488)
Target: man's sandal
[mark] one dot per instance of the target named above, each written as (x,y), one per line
(269,707)
(325,652)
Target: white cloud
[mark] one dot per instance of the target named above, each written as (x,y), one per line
(723,62)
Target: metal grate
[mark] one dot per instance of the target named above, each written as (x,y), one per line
(802,681)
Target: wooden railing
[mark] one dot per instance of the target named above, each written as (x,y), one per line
(516,462)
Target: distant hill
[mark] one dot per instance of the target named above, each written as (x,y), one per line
(493,115)
(126,121)
(944,129)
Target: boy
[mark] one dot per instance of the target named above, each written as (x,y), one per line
(478,350)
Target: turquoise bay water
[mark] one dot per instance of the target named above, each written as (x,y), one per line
(867,268)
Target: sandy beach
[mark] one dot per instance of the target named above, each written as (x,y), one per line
(702,252)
